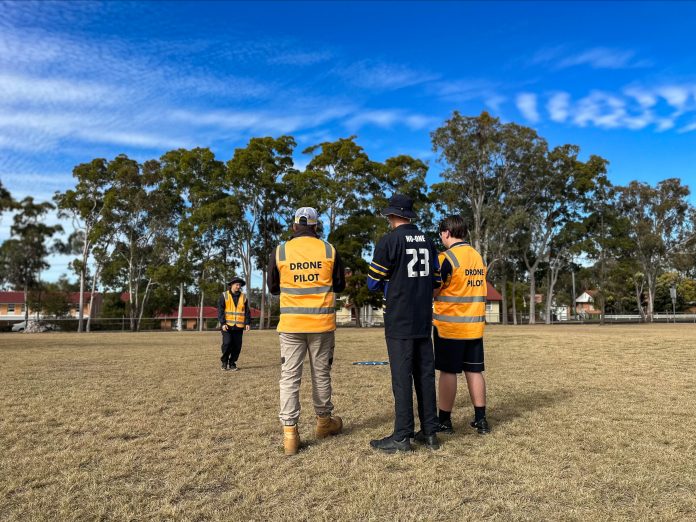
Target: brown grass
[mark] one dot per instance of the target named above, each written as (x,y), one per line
(589,423)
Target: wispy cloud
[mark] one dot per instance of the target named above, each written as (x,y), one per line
(459,91)
(596,58)
(389,118)
(371,74)
(527,104)
(300,58)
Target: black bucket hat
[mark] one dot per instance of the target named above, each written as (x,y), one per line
(400,205)
(237,280)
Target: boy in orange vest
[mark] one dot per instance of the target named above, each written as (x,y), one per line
(459,317)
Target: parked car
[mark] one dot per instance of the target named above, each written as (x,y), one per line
(19,327)
(47,327)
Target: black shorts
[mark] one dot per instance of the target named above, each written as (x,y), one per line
(458,355)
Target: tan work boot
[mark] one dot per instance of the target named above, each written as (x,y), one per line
(291,440)
(328,426)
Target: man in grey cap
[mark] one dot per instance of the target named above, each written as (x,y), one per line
(234,317)
(306,271)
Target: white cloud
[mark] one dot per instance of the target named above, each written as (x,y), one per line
(527,105)
(465,90)
(388,118)
(596,58)
(262,120)
(16,88)
(688,128)
(558,106)
(384,76)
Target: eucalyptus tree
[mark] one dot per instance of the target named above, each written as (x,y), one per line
(481,157)
(84,204)
(6,201)
(356,234)
(338,180)
(131,210)
(257,178)
(23,257)
(193,181)
(658,228)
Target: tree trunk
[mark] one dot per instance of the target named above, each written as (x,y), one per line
(180,313)
(639,291)
(26,304)
(514,297)
(532,297)
(200,311)
(97,268)
(651,298)
(142,304)
(504,294)
(81,305)
(552,278)
(358,322)
(574,305)
(262,317)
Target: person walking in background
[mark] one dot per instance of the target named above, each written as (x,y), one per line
(234,317)
(458,322)
(305,272)
(405,268)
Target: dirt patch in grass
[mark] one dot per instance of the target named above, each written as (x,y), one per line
(588,423)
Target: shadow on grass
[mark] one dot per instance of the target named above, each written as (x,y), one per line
(516,406)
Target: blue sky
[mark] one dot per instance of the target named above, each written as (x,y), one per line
(84,80)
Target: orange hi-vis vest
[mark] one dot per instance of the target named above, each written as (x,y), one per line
(234,315)
(460,308)
(307,300)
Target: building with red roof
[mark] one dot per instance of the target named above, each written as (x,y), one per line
(12,305)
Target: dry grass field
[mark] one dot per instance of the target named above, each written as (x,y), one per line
(588,423)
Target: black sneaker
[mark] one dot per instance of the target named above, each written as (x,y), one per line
(445,427)
(233,367)
(389,445)
(430,441)
(224,366)
(481,426)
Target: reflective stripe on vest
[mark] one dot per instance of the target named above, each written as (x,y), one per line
(459,319)
(457,299)
(307,300)
(234,315)
(306,291)
(459,311)
(301,310)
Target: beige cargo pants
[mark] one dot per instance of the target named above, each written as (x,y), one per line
(293,348)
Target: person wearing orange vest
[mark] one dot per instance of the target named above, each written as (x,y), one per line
(459,316)
(234,317)
(306,272)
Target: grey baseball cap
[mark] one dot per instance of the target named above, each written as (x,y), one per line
(306,216)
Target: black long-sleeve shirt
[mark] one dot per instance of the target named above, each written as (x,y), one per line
(273,277)
(221,310)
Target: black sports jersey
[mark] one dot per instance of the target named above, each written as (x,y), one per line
(405,265)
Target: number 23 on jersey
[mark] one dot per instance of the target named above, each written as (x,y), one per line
(419,262)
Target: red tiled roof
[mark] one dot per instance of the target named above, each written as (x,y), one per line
(74,297)
(18,297)
(492,294)
(12,297)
